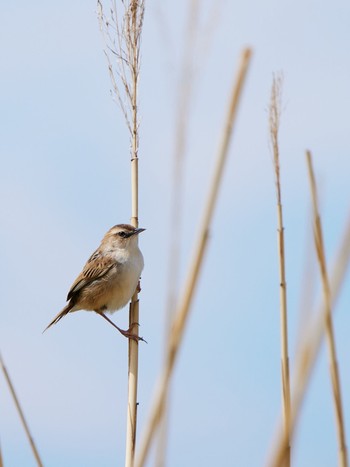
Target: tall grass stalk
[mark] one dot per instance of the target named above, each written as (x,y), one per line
(309,349)
(274,121)
(123,39)
(1,462)
(319,246)
(182,116)
(183,309)
(20,413)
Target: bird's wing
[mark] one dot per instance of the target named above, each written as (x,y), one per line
(97,266)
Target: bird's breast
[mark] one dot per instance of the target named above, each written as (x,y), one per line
(123,281)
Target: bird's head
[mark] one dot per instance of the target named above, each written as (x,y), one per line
(122,236)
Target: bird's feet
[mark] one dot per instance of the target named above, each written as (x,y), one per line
(130,335)
(128,332)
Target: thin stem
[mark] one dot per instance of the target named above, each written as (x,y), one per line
(133,360)
(334,372)
(20,413)
(133,47)
(182,312)
(131,423)
(123,38)
(275,111)
(1,461)
(309,349)
(183,111)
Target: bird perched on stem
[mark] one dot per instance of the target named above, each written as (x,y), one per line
(109,278)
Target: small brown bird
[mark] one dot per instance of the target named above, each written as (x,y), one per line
(109,278)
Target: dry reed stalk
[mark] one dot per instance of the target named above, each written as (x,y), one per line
(20,413)
(123,41)
(193,54)
(183,309)
(319,246)
(134,305)
(185,92)
(1,462)
(274,124)
(309,349)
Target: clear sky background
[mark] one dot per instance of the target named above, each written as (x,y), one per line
(65,179)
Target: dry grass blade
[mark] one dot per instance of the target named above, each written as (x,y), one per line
(274,120)
(20,413)
(182,311)
(319,245)
(309,349)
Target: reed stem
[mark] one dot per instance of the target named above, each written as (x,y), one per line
(20,413)
(123,39)
(309,350)
(133,44)
(1,462)
(275,112)
(334,372)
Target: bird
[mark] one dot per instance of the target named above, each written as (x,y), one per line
(109,278)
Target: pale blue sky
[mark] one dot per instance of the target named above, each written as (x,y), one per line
(65,180)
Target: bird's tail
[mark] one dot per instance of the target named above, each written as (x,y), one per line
(60,315)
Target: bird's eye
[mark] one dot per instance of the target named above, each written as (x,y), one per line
(122,234)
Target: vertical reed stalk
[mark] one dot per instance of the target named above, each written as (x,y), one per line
(20,413)
(274,120)
(183,110)
(309,349)
(334,372)
(134,305)
(1,462)
(123,41)
(183,309)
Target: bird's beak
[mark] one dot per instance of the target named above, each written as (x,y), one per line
(138,231)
